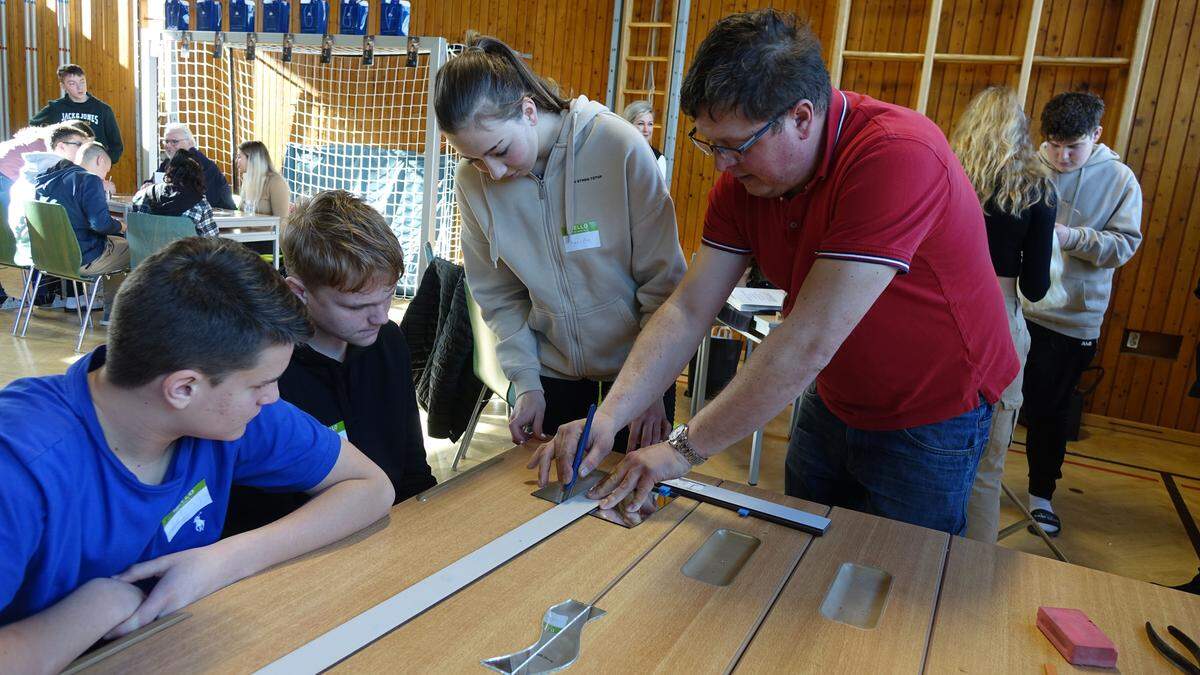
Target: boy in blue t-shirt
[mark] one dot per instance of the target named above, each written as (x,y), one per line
(116,476)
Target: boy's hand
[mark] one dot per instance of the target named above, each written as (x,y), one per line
(1062,232)
(526,422)
(184,577)
(120,598)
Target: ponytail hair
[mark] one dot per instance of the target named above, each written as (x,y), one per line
(489,81)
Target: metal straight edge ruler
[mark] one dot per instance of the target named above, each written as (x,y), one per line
(360,631)
(753,506)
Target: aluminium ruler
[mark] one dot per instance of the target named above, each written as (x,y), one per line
(360,631)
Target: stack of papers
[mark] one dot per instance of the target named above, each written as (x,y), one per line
(756,300)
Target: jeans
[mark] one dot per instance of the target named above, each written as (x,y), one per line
(920,475)
(5,185)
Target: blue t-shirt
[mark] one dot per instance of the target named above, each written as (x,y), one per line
(70,511)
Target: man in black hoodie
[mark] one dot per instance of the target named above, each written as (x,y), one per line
(78,104)
(354,374)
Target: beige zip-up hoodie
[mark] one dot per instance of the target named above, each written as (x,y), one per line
(571,307)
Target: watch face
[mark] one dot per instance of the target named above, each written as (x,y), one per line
(677,433)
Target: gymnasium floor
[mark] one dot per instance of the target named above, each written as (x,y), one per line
(1115,498)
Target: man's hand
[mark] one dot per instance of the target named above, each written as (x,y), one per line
(527,417)
(184,577)
(124,225)
(110,187)
(561,449)
(649,428)
(631,482)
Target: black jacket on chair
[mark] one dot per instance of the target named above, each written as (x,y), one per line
(438,329)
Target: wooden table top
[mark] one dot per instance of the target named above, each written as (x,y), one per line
(953,606)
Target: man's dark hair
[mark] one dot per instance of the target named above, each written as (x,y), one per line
(756,64)
(70,69)
(64,134)
(204,304)
(1072,114)
(184,171)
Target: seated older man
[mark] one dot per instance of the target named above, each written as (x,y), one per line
(177,137)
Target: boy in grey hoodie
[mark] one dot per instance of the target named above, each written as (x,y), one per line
(1098,228)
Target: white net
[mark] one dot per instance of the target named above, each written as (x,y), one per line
(337,125)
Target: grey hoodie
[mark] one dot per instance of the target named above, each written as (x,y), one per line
(571,308)
(1102,204)
(22,192)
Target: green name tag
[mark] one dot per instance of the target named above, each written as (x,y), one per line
(339,428)
(581,236)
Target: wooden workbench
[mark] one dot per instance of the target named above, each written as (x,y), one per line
(954,605)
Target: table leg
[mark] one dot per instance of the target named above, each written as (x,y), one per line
(275,248)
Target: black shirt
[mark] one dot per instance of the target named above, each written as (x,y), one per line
(98,115)
(371,393)
(1020,245)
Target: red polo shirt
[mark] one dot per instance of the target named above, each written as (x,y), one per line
(888,191)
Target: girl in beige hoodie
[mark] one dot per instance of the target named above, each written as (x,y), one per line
(569,236)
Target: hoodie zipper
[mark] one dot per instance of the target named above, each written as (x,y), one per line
(560,274)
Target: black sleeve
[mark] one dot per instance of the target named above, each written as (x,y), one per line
(43,116)
(1035,252)
(219,195)
(113,133)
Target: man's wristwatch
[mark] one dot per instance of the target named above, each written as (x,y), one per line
(679,440)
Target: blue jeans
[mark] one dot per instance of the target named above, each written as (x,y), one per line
(5,186)
(920,475)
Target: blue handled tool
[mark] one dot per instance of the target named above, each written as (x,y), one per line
(583,439)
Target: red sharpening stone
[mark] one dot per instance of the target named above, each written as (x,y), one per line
(1075,637)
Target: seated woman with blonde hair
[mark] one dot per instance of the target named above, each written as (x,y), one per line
(263,190)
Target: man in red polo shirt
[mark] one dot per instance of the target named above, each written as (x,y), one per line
(861,212)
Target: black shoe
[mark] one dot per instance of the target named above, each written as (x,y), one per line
(1050,523)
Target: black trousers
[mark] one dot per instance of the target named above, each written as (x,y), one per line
(568,400)
(1052,372)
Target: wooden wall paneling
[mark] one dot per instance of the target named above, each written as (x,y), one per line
(1143,157)
(1133,372)
(1182,380)
(934,14)
(918,16)
(941,108)
(1172,289)
(841,26)
(1034,14)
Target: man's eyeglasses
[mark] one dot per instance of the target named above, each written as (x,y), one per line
(74,143)
(735,154)
(172,141)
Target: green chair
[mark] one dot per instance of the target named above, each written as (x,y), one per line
(148,233)
(56,252)
(487,368)
(8,258)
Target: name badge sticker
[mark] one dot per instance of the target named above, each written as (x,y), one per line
(196,499)
(339,428)
(583,236)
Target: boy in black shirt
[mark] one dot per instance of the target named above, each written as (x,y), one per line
(354,374)
(78,104)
